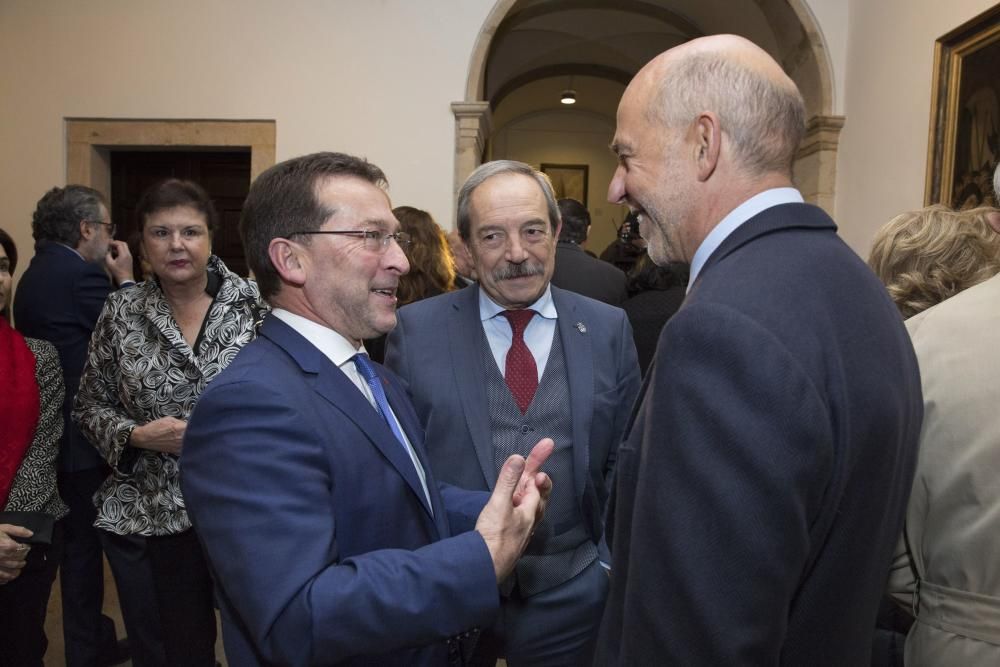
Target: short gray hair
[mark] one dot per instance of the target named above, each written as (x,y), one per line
(487,171)
(764,119)
(996,185)
(58,213)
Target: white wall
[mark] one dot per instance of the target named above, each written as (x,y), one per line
(883,149)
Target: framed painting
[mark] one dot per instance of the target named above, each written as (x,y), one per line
(965,114)
(568,180)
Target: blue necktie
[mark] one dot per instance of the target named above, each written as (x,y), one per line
(367,371)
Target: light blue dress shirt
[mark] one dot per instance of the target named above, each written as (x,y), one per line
(537,335)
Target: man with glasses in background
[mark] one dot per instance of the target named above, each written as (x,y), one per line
(59,299)
(304,468)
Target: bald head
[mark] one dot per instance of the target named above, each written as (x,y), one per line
(759,107)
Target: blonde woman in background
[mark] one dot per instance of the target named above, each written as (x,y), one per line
(945,570)
(925,256)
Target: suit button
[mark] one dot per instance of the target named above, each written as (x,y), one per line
(525,429)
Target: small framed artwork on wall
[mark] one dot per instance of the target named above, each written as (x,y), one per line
(568,180)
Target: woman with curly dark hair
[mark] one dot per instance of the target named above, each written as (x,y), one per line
(432,267)
(432,270)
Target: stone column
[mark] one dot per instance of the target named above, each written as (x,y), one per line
(815,169)
(472,127)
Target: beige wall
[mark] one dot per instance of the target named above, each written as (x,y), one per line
(883,149)
(377,77)
(373,78)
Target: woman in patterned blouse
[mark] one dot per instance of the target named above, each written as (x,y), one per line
(155,347)
(30,425)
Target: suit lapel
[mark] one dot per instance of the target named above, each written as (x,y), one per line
(466,335)
(572,329)
(401,406)
(331,383)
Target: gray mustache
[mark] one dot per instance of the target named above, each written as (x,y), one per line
(522,270)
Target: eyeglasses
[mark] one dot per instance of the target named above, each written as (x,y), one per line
(112,227)
(374,239)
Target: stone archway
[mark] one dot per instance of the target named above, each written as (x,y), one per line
(801,50)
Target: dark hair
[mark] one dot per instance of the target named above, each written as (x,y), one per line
(171,193)
(10,248)
(432,269)
(647,275)
(58,213)
(487,171)
(282,201)
(575,221)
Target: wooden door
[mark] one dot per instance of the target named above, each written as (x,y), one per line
(225,175)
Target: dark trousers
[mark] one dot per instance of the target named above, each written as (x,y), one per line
(130,563)
(554,628)
(87,634)
(23,603)
(184,596)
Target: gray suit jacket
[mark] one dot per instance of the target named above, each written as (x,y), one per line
(436,348)
(953,518)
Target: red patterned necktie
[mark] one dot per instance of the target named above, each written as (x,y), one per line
(520,373)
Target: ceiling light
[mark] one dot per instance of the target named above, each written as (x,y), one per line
(568,96)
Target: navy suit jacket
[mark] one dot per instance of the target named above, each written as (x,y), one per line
(762,484)
(59,298)
(314,522)
(436,349)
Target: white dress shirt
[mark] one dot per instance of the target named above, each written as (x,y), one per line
(339,350)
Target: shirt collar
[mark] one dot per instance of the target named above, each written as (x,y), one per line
(488,308)
(748,209)
(335,347)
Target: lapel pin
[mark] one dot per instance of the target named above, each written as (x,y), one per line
(581,327)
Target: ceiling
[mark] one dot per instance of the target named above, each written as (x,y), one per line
(596,46)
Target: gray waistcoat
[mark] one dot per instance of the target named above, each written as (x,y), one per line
(562,547)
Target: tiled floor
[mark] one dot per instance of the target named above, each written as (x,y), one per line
(55,656)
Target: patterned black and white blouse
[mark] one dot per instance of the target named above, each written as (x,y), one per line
(34,486)
(139,369)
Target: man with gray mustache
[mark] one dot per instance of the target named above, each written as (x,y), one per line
(493,368)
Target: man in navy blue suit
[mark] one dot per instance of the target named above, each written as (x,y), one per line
(762,482)
(304,468)
(59,299)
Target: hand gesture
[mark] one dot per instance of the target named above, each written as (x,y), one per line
(165,434)
(13,555)
(516,506)
(119,261)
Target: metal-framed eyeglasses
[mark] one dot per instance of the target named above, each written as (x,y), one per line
(375,240)
(112,227)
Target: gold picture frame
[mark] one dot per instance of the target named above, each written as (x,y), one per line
(569,181)
(964,143)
